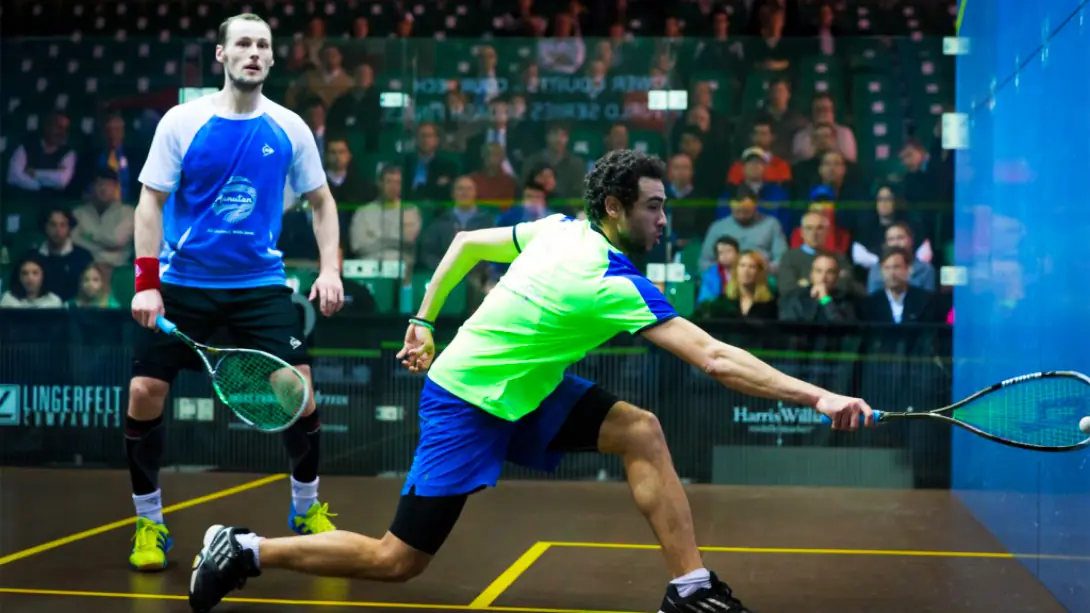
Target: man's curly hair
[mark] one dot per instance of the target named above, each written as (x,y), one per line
(618,174)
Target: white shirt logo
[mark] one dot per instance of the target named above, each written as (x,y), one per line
(236,200)
(267,150)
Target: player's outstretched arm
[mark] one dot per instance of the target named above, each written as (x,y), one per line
(740,370)
(466,251)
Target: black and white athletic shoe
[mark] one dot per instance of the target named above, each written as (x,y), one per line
(221,567)
(715,599)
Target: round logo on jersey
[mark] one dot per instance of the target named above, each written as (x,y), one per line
(236,200)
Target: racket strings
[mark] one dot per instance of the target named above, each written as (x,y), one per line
(1044,411)
(260,389)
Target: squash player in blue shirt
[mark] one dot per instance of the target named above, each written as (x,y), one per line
(207,226)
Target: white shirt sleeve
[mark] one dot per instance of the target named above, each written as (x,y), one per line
(307,171)
(163,168)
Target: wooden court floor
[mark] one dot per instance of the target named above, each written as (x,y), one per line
(555,547)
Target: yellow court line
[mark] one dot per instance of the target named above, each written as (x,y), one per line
(836,552)
(79,536)
(485,599)
(303,603)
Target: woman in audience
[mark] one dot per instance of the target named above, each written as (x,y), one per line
(747,294)
(93,292)
(27,281)
(869,233)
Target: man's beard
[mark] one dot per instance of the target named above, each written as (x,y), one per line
(243,85)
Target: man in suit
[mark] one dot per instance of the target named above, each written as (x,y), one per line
(426,175)
(898,302)
(796,267)
(823,301)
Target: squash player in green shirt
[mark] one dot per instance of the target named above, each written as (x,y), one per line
(500,392)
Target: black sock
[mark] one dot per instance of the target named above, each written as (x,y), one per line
(144,448)
(303,441)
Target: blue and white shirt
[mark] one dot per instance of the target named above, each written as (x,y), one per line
(226,176)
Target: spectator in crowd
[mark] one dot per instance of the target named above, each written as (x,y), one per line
(716,278)
(568,168)
(869,231)
(493,184)
(838,239)
(719,52)
(753,230)
(564,51)
(896,300)
(386,229)
(616,138)
(94,291)
(824,300)
(920,274)
(786,122)
(314,114)
(112,153)
(326,82)
(60,258)
(796,267)
(761,138)
(770,195)
(514,139)
(532,207)
(463,216)
(28,286)
(689,220)
(822,110)
(358,110)
(772,51)
(922,184)
(428,176)
(747,294)
(542,174)
(807,173)
(104,226)
(345,181)
(707,173)
(44,164)
(833,174)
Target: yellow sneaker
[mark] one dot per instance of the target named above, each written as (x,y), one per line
(316,520)
(150,546)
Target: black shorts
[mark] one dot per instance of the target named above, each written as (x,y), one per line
(263,318)
(425,522)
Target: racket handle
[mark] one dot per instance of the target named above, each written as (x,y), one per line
(825,418)
(165,324)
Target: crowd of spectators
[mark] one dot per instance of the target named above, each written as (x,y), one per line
(775,209)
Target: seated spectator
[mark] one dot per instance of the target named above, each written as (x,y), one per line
(532,208)
(569,169)
(94,291)
(869,230)
(28,286)
(358,110)
(770,195)
(346,181)
(439,234)
(62,260)
(746,295)
(44,164)
(753,230)
(427,175)
(386,230)
(796,267)
(104,226)
(689,220)
(921,274)
(564,51)
(327,82)
(833,174)
(806,174)
(786,121)
(112,153)
(896,300)
(492,183)
(544,175)
(716,278)
(838,239)
(761,138)
(515,137)
(824,301)
(822,110)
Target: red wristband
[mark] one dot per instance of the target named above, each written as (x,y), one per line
(146,273)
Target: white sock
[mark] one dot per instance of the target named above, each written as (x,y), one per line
(691,582)
(253,543)
(150,506)
(304,494)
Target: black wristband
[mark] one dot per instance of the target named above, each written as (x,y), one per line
(419,321)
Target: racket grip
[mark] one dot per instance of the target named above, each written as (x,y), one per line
(825,418)
(165,324)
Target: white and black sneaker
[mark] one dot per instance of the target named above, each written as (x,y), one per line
(222,565)
(715,599)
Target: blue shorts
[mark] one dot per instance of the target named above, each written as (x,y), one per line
(462,447)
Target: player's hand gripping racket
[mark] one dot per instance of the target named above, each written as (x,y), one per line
(1043,411)
(264,391)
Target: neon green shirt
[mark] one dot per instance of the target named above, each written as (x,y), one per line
(567,292)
